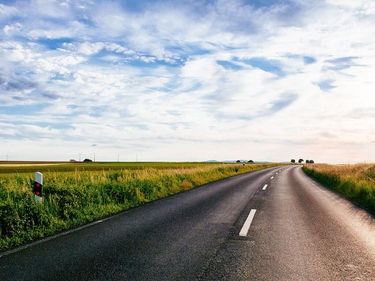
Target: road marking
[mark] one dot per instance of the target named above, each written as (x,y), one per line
(264,187)
(272,177)
(246,226)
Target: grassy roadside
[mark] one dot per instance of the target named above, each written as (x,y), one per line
(75,195)
(355,182)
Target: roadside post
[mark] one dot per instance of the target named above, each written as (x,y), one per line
(37,189)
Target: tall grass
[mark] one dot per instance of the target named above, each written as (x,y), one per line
(73,198)
(355,182)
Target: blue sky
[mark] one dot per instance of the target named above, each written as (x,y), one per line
(187,80)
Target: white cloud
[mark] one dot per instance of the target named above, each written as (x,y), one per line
(196,82)
(8,11)
(90,48)
(8,29)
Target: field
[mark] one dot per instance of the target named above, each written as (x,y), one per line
(355,182)
(78,193)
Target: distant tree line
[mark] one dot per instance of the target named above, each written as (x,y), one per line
(250,161)
(300,161)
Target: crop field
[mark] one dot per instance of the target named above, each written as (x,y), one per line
(355,182)
(78,193)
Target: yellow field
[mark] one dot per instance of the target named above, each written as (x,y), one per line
(354,181)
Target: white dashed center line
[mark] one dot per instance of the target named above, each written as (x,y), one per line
(272,177)
(246,226)
(264,187)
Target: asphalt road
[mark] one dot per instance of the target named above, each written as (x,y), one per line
(274,224)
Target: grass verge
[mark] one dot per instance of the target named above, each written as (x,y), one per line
(355,182)
(75,194)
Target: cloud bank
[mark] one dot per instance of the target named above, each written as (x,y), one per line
(187,80)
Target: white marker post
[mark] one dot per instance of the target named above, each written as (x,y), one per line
(38,187)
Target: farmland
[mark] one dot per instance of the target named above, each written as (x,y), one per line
(78,193)
(355,182)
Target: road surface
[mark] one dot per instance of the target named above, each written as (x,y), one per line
(273,224)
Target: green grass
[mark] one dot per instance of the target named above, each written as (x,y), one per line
(75,194)
(25,167)
(355,182)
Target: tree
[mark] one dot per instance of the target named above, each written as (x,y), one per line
(293,161)
(238,161)
(300,160)
(250,161)
(87,160)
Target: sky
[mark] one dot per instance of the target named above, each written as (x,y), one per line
(189,80)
